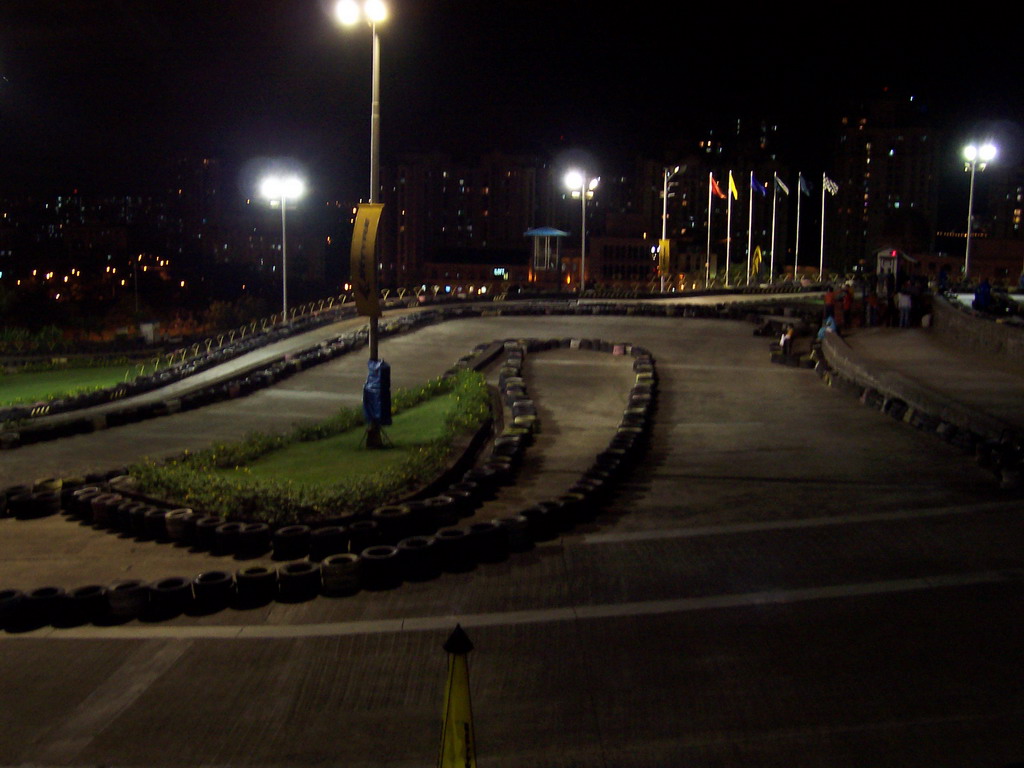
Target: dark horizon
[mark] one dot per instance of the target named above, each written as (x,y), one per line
(96,95)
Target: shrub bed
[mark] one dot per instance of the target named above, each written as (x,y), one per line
(200,481)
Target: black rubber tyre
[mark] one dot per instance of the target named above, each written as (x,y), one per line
(543,521)
(154,523)
(169,597)
(225,537)
(381,566)
(291,542)
(444,511)
(490,541)
(127,599)
(255,586)
(137,520)
(341,574)
(327,540)
(455,549)
(84,605)
(213,591)
(394,522)
(101,509)
(205,531)
(298,581)
(418,558)
(181,525)
(11,606)
(80,505)
(42,606)
(517,529)
(254,539)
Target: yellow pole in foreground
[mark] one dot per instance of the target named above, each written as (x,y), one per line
(458,743)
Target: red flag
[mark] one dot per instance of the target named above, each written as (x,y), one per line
(716,189)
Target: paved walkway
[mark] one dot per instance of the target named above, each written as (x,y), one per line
(789,579)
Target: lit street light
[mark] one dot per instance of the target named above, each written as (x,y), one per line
(281,189)
(582,187)
(373,12)
(975,158)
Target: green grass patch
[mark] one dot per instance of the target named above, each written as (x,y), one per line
(341,458)
(320,471)
(37,386)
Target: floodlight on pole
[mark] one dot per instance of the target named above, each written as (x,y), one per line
(975,159)
(582,186)
(373,12)
(281,189)
(667,176)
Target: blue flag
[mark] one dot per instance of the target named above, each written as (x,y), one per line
(803,186)
(757,186)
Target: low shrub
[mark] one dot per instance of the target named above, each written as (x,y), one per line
(203,480)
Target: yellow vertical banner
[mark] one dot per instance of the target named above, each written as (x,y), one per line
(458,742)
(364,259)
(664,257)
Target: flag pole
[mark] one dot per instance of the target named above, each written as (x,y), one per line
(796,252)
(775,198)
(750,224)
(728,228)
(707,260)
(821,261)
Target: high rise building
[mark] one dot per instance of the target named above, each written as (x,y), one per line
(885,164)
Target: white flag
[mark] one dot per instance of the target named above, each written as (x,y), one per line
(830,185)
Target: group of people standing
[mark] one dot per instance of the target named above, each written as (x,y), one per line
(881,304)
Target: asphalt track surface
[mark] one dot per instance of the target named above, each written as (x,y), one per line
(789,579)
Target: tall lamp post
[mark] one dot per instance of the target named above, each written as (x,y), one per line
(373,12)
(975,158)
(281,189)
(583,187)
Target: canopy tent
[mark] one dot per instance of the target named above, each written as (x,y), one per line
(543,259)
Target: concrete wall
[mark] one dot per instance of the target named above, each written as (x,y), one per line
(966,328)
(846,365)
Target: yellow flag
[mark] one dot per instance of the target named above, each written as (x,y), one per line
(756,263)
(458,742)
(732,188)
(363,259)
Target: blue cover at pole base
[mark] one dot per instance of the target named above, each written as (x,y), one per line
(377,393)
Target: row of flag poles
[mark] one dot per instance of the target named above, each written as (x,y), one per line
(754,255)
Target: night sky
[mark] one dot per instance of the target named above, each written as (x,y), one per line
(95,92)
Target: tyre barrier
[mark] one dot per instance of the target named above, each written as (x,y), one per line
(242,385)
(414,541)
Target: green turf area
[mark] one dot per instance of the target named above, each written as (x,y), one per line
(35,386)
(342,457)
